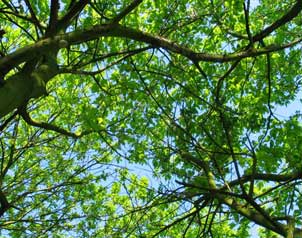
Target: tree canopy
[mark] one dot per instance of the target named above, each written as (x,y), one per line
(150,118)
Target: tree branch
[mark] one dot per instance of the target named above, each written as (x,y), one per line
(21,27)
(26,117)
(24,17)
(126,11)
(160,42)
(8,120)
(253,215)
(74,11)
(247,21)
(268,177)
(178,220)
(83,72)
(53,18)
(31,51)
(291,14)
(4,203)
(33,15)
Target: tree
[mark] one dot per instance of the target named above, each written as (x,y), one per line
(150,118)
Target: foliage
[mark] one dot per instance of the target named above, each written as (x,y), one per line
(150,118)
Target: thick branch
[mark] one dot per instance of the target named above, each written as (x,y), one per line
(73,12)
(253,215)
(35,51)
(292,13)
(156,41)
(14,92)
(268,177)
(28,52)
(28,83)
(258,218)
(4,203)
(247,21)
(53,18)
